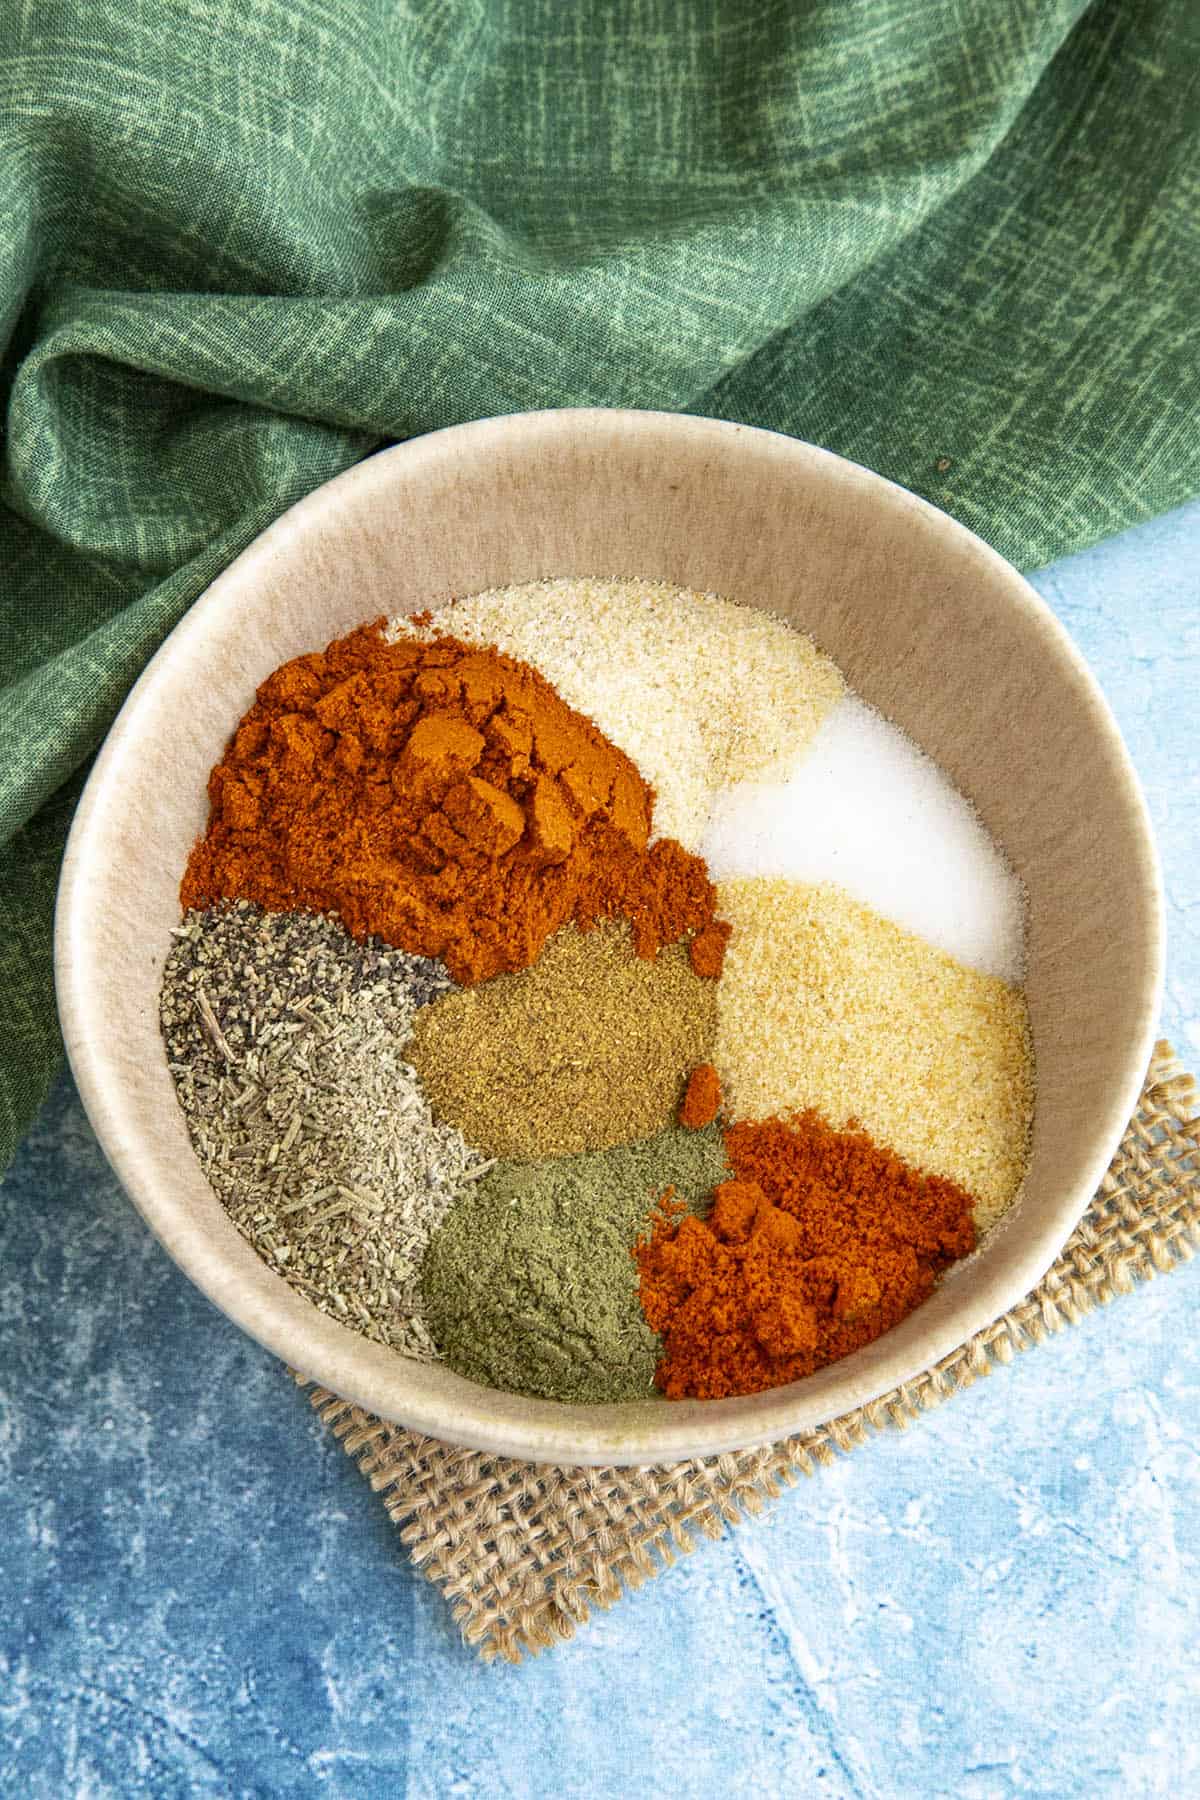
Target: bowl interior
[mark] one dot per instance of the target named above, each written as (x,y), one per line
(930,626)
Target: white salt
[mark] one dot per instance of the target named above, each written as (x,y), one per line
(864,808)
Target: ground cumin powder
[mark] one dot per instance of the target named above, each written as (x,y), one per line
(445,799)
(588,1048)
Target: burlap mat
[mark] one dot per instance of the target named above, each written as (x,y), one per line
(523,1551)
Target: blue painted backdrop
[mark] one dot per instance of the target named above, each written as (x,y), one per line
(199,1596)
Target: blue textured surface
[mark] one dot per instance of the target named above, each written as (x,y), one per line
(198,1595)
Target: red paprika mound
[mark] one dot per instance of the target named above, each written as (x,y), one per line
(446,799)
(821,1242)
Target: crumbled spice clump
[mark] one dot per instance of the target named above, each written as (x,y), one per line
(702,1098)
(821,1242)
(445,799)
(707,949)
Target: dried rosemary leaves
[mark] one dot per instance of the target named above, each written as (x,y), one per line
(286,1040)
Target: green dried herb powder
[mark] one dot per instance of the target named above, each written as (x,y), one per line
(529,1283)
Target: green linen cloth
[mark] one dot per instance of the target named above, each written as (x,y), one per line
(245,242)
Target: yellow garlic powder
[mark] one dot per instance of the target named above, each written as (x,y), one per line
(825,1004)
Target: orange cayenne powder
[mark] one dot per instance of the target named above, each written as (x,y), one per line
(446,799)
(822,1242)
(701,1098)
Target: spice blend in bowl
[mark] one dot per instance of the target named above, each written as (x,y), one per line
(934,633)
(482,1062)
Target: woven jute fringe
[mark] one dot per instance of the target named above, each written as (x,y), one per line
(524,1551)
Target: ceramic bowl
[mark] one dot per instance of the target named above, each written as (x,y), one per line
(929,625)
